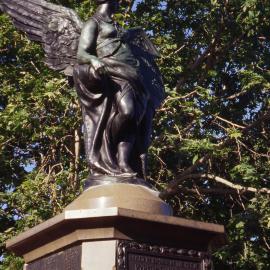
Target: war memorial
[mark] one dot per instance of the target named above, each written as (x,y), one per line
(119,221)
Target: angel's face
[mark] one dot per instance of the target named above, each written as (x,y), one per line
(114,6)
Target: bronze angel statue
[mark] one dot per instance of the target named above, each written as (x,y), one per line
(114,72)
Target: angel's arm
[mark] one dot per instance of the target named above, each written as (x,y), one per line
(87,44)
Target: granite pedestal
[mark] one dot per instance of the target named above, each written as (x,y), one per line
(121,227)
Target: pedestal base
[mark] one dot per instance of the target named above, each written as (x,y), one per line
(122,255)
(124,227)
(128,196)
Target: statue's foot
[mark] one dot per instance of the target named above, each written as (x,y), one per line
(127,175)
(125,168)
(97,169)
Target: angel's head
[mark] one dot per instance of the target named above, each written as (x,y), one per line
(99,2)
(114,4)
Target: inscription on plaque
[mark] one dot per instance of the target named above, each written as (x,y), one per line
(144,262)
(69,259)
(137,256)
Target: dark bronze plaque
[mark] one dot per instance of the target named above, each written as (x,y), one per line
(143,262)
(69,259)
(134,256)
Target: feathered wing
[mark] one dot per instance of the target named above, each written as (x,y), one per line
(146,53)
(58,29)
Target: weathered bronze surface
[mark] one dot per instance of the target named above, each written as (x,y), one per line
(135,256)
(69,259)
(114,71)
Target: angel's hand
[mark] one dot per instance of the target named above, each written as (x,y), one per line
(98,66)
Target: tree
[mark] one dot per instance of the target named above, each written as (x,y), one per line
(210,152)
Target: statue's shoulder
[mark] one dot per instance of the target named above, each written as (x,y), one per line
(91,21)
(91,24)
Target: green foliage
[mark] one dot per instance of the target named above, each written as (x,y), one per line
(215,60)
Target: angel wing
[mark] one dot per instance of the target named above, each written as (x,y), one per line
(58,29)
(146,53)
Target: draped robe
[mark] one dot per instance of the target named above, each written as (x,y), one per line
(100,94)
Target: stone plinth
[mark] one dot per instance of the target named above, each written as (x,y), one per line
(103,236)
(128,196)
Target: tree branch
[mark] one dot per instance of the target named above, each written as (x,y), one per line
(239,188)
(214,191)
(263,117)
(172,186)
(229,122)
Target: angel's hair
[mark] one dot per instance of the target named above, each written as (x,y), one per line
(99,2)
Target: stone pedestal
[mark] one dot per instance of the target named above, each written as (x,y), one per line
(122,227)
